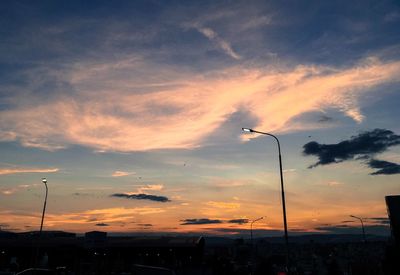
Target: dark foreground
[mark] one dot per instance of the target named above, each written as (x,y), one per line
(95,253)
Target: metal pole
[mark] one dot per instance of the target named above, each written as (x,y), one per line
(37,256)
(282,190)
(362,226)
(363,230)
(44,180)
(251,229)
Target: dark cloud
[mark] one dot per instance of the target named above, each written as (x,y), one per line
(145,224)
(141,197)
(347,221)
(246,232)
(384,167)
(376,229)
(363,145)
(380,220)
(239,221)
(325,118)
(199,221)
(102,224)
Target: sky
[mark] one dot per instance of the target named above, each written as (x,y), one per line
(133,112)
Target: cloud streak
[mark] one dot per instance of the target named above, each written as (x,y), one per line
(200,221)
(141,197)
(121,173)
(239,221)
(384,167)
(7,171)
(224,45)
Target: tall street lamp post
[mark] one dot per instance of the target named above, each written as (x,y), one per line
(248,130)
(44,180)
(362,226)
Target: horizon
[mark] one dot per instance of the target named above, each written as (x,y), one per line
(133,112)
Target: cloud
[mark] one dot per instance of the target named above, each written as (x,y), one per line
(141,197)
(102,224)
(384,167)
(224,45)
(199,221)
(348,221)
(115,104)
(224,205)
(335,183)
(239,221)
(122,174)
(9,191)
(325,118)
(347,229)
(363,145)
(7,171)
(151,187)
(145,224)
(379,220)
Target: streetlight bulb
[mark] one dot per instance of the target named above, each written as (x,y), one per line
(44,180)
(247,130)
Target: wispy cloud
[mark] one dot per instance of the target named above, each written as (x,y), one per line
(239,221)
(224,205)
(6,171)
(122,173)
(10,191)
(334,183)
(151,187)
(194,105)
(224,45)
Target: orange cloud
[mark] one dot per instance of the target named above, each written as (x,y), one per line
(122,174)
(6,171)
(113,111)
(224,205)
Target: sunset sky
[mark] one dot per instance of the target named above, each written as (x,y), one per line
(133,112)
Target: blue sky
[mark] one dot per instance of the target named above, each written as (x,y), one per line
(149,97)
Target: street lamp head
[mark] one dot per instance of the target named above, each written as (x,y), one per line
(247,130)
(44,180)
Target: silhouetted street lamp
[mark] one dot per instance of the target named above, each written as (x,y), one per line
(248,130)
(362,226)
(251,228)
(44,180)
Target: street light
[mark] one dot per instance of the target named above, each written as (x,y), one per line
(251,228)
(44,180)
(248,130)
(362,226)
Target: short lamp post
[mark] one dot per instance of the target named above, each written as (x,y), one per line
(248,130)
(362,226)
(251,229)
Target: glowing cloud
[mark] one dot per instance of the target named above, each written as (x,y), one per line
(225,205)
(6,171)
(121,174)
(114,112)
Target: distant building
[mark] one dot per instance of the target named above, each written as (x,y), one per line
(393,209)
